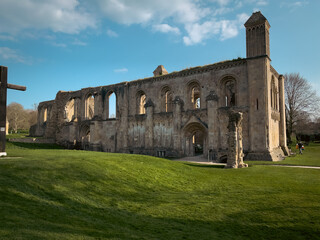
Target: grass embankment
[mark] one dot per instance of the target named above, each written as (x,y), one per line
(310,157)
(63,194)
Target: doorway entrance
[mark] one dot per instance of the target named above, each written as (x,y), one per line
(195,140)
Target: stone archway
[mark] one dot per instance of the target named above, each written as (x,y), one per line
(85,137)
(195,140)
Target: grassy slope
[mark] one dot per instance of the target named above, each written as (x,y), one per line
(62,194)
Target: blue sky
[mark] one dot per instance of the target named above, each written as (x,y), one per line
(53,45)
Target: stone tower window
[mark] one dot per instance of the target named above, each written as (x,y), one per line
(89,106)
(141,101)
(195,95)
(166,99)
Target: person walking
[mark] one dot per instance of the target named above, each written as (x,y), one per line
(300,146)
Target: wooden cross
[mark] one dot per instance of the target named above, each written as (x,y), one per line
(3,106)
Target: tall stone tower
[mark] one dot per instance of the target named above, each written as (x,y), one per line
(257,35)
(265,125)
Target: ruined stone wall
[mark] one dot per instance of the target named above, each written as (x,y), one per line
(181,113)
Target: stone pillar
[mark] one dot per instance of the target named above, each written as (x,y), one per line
(123,116)
(97,106)
(235,149)
(77,112)
(212,108)
(178,104)
(282,128)
(149,124)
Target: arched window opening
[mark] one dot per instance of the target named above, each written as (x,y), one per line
(69,112)
(274,94)
(90,107)
(45,114)
(85,137)
(112,106)
(166,99)
(141,101)
(195,95)
(230,93)
(142,110)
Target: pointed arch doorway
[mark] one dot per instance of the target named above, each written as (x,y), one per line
(195,140)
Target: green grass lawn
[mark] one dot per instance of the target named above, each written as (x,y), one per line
(310,157)
(53,193)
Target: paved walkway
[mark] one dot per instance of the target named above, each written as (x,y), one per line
(295,166)
(198,159)
(201,160)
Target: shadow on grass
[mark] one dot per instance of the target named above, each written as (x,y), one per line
(30,213)
(12,145)
(203,165)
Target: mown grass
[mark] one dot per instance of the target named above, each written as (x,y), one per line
(63,194)
(310,157)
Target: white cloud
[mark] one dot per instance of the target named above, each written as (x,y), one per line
(56,15)
(165,28)
(221,2)
(143,11)
(11,54)
(198,20)
(79,43)
(111,33)
(192,14)
(262,3)
(120,70)
(197,33)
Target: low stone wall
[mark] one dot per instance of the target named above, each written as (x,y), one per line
(33,140)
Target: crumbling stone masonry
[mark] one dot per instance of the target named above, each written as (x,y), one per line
(181,113)
(235,153)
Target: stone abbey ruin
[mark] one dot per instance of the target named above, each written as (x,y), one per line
(181,113)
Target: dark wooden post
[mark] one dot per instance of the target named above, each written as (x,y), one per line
(3,106)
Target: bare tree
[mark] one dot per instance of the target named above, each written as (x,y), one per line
(17,116)
(301,100)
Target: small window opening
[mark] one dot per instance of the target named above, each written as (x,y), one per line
(195,97)
(112,105)
(142,101)
(45,115)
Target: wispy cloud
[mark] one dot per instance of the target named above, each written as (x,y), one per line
(62,45)
(121,70)
(7,38)
(293,5)
(197,33)
(111,33)
(262,3)
(56,15)
(165,28)
(79,43)
(188,18)
(13,55)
